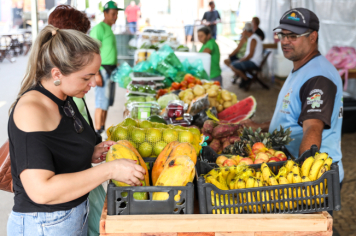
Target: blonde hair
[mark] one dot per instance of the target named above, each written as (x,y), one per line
(65,49)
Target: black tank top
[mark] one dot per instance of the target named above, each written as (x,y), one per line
(62,151)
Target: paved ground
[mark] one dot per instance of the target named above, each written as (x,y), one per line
(344,220)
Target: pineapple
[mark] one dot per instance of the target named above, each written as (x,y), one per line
(248,138)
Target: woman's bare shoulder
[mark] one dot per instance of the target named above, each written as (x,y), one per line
(34,112)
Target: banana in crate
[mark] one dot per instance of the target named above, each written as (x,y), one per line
(241,177)
(150,138)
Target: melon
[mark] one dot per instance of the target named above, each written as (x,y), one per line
(240,111)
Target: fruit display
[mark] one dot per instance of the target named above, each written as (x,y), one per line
(174,167)
(245,177)
(249,138)
(221,135)
(143,110)
(141,89)
(150,138)
(189,81)
(219,98)
(239,111)
(259,154)
(139,98)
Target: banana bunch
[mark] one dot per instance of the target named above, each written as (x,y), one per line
(241,177)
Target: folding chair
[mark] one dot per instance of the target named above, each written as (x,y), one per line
(256,72)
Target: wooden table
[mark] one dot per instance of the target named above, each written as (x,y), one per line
(318,224)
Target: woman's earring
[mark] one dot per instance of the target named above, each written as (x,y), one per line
(57,82)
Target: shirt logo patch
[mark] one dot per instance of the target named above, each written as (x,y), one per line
(315,100)
(286,101)
(293,16)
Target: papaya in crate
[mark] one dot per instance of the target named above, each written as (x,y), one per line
(119,151)
(185,149)
(142,162)
(177,171)
(161,160)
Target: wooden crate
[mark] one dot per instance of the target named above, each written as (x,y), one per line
(318,224)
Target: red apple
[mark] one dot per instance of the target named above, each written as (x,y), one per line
(274,159)
(220,160)
(257,147)
(259,161)
(280,155)
(271,151)
(262,155)
(237,158)
(229,162)
(246,161)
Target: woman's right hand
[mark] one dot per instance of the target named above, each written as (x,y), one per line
(127,171)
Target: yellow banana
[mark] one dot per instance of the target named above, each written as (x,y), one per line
(250,183)
(322,156)
(212,180)
(290,177)
(232,184)
(230,176)
(314,170)
(266,172)
(289,164)
(258,174)
(225,171)
(306,191)
(214,173)
(322,170)
(328,161)
(240,184)
(296,169)
(297,179)
(307,165)
(283,180)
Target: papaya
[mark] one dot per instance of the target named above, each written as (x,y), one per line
(185,149)
(177,171)
(161,159)
(142,162)
(119,151)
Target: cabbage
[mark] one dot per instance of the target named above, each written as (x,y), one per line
(165,99)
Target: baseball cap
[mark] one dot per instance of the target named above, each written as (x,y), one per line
(112,5)
(299,20)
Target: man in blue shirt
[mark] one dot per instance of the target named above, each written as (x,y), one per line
(310,101)
(211,18)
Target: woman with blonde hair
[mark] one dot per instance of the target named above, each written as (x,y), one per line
(51,145)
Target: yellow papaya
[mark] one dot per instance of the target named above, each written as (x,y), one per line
(177,171)
(142,162)
(184,149)
(161,159)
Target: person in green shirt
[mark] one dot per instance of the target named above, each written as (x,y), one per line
(211,47)
(105,90)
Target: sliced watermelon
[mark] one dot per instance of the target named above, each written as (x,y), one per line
(240,111)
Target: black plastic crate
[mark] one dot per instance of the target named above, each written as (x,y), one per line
(120,203)
(208,158)
(275,200)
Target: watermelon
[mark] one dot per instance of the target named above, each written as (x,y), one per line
(240,111)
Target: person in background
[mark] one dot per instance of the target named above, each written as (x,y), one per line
(239,52)
(256,29)
(211,18)
(132,14)
(211,47)
(310,102)
(51,145)
(105,90)
(67,17)
(146,24)
(252,58)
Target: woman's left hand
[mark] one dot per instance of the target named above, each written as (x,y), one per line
(100,151)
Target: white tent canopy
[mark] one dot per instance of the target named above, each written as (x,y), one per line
(337,19)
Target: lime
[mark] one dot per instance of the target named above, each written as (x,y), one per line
(170,135)
(145,149)
(159,147)
(138,135)
(119,133)
(129,122)
(153,135)
(145,124)
(185,137)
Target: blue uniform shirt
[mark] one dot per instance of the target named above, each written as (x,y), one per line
(314,91)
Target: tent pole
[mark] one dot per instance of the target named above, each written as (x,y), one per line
(34,20)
